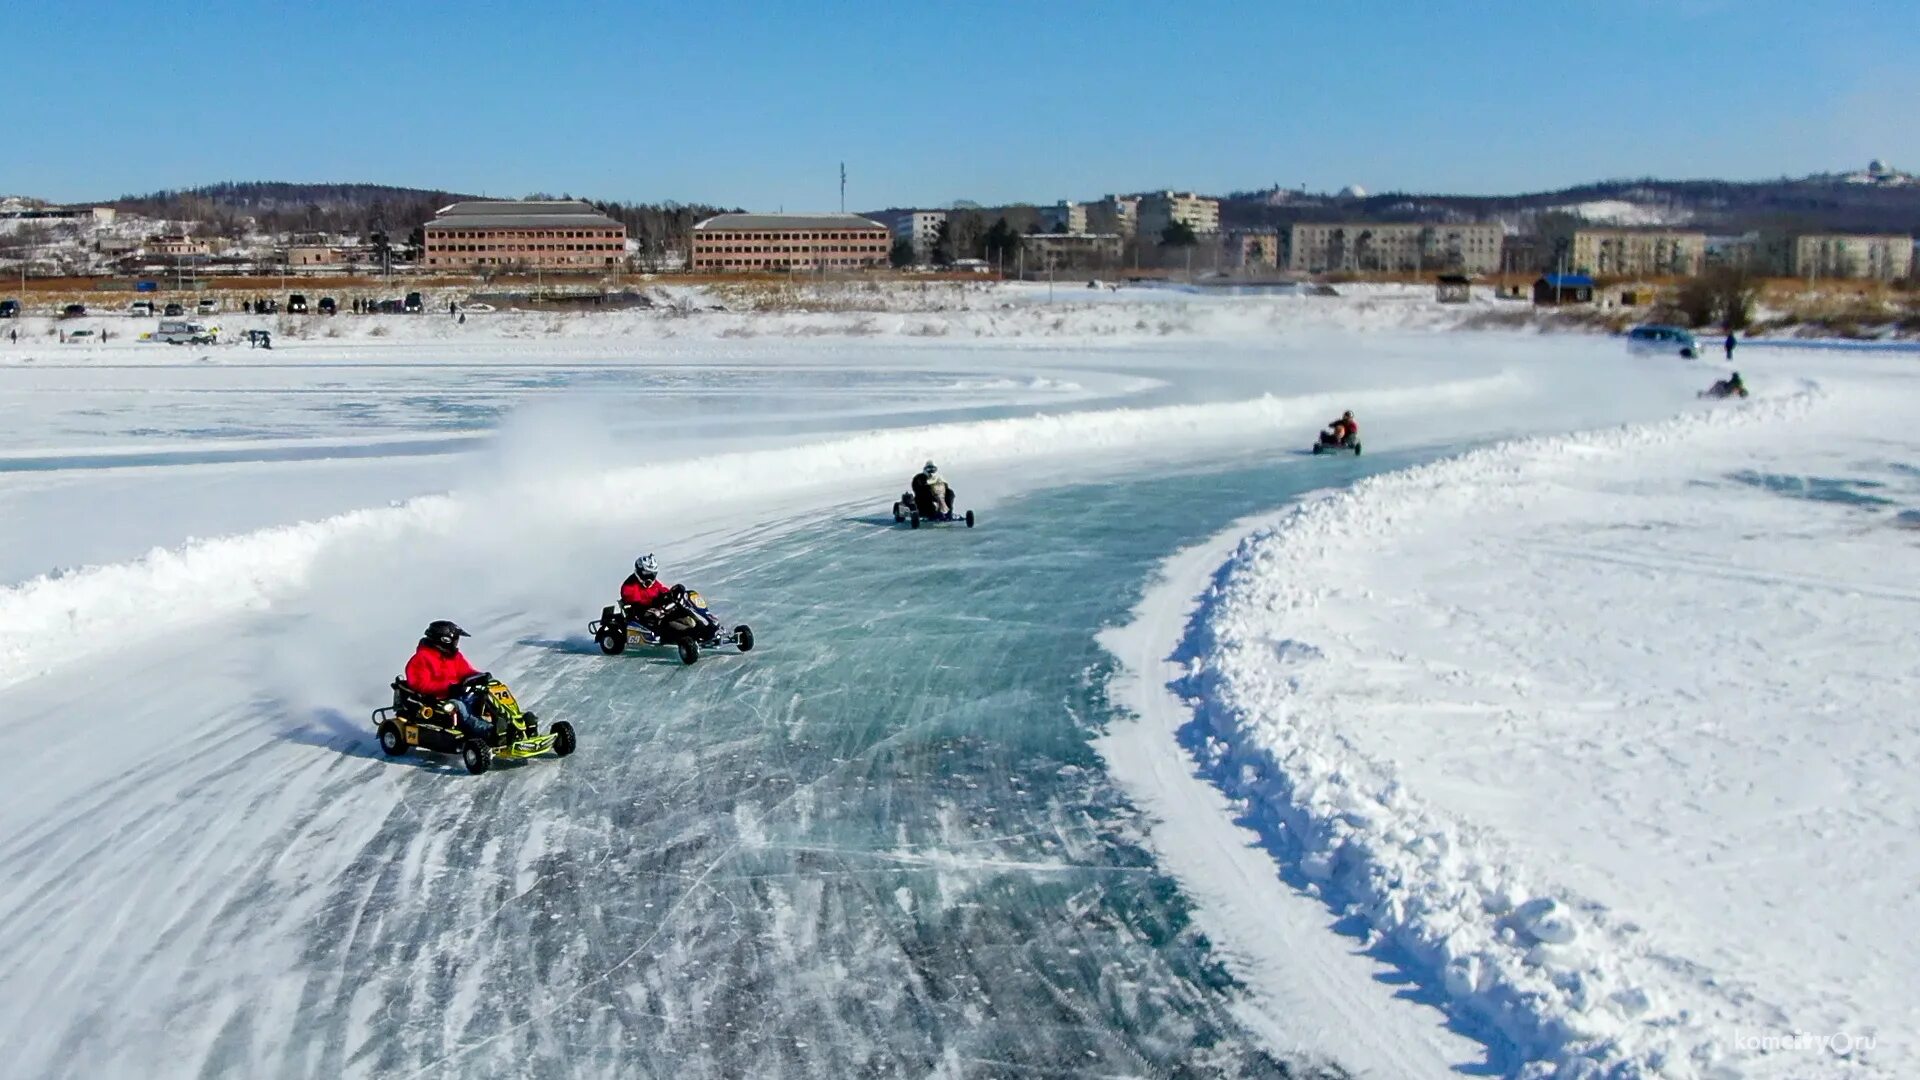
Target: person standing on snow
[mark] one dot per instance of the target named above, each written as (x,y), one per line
(438,671)
(1730,344)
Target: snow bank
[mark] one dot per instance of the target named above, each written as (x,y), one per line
(53,619)
(1574,989)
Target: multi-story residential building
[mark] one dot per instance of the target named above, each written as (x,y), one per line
(921,228)
(1318,248)
(1844,255)
(1161,210)
(1115,214)
(1250,249)
(727,242)
(1064,217)
(533,235)
(1639,252)
(176,245)
(1069,250)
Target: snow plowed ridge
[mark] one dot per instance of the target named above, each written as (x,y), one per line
(53,619)
(1572,989)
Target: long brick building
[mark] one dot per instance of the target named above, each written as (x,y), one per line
(739,242)
(558,235)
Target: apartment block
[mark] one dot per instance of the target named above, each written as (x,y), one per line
(1639,252)
(787,242)
(1196,212)
(1319,248)
(525,234)
(921,228)
(1844,255)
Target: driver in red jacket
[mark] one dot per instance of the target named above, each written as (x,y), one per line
(437,670)
(642,593)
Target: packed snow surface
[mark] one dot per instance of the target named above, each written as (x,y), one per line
(1513,715)
(1606,735)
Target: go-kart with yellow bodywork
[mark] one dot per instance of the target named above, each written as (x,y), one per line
(416,721)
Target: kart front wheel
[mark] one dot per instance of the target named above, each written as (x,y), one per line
(743,638)
(392,743)
(969,519)
(477,756)
(913,520)
(563,740)
(899,515)
(689,652)
(613,643)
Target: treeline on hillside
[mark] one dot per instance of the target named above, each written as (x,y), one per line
(1809,204)
(369,210)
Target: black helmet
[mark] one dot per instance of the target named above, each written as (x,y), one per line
(1348,415)
(445,636)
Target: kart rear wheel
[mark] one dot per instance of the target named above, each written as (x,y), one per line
(392,742)
(913,520)
(969,519)
(563,740)
(613,643)
(477,756)
(689,652)
(899,515)
(743,638)
(1356,449)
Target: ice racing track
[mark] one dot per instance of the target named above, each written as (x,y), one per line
(880,845)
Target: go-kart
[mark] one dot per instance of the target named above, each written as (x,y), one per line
(1723,389)
(683,622)
(416,721)
(1325,445)
(908,510)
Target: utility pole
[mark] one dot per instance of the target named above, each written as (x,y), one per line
(843,187)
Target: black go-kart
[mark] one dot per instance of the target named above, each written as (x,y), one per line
(683,622)
(416,721)
(908,511)
(1325,445)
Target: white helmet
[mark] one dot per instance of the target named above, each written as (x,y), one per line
(929,469)
(646,569)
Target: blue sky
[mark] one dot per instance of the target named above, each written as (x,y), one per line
(929,102)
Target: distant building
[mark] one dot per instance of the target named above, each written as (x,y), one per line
(921,228)
(1639,252)
(1115,214)
(1843,255)
(1555,289)
(299,255)
(528,234)
(1253,249)
(1070,250)
(1159,211)
(97,215)
(177,246)
(789,242)
(1065,217)
(1319,248)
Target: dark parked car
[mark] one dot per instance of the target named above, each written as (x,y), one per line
(327,306)
(414,304)
(73,311)
(9,309)
(296,304)
(392,307)
(173,311)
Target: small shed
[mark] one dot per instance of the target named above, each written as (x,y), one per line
(1553,289)
(1453,288)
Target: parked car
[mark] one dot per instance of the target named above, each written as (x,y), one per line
(476,308)
(328,307)
(73,311)
(141,308)
(1663,340)
(266,307)
(391,307)
(207,306)
(173,311)
(296,304)
(182,332)
(414,304)
(9,309)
